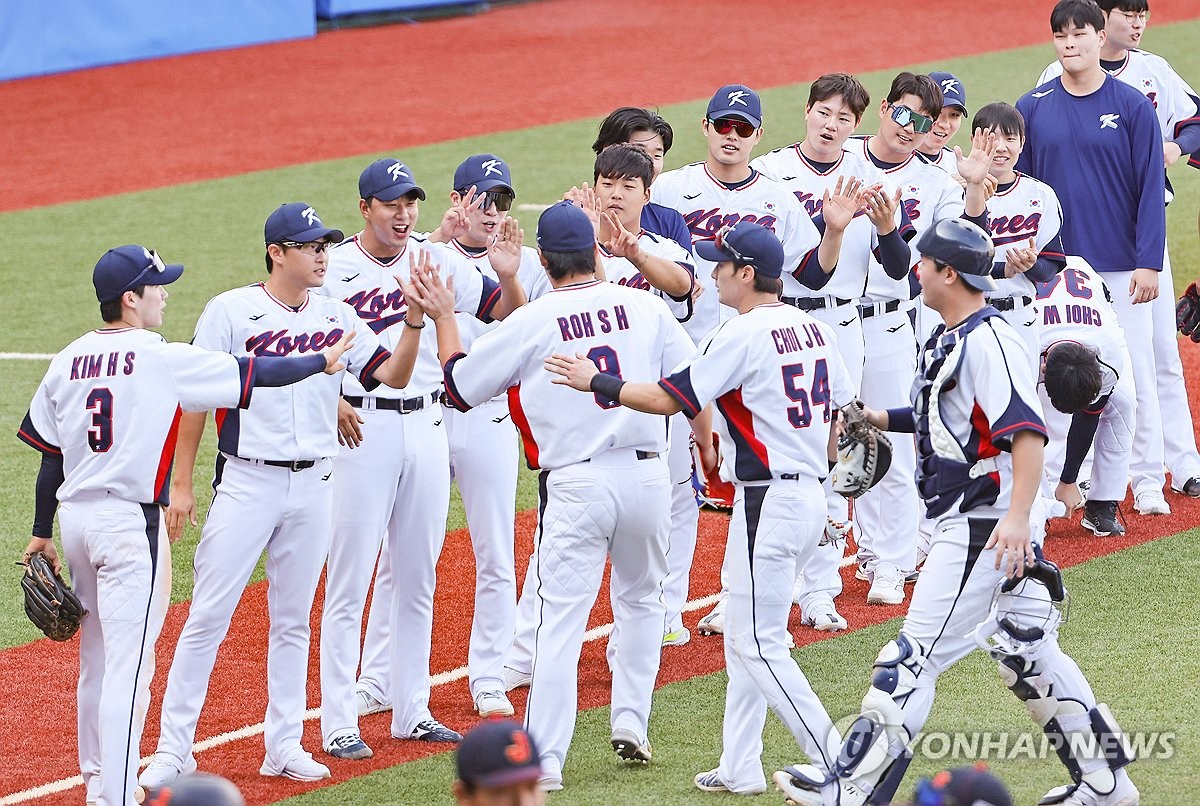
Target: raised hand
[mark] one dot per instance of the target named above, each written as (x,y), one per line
(623,243)
(456,222)
(333,352)
(882,207)
(974,167)
(839,207)
(586,199)
(505,251)
(1020,259)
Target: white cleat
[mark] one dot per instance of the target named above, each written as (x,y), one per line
(493,703)
(367,704)
(887,586)
(163,769)
(1151,502)
(515,678)
(714,622)
(1124,794)
(300,767)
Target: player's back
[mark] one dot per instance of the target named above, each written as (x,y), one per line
(1076,304)
(625,331)
(113,396)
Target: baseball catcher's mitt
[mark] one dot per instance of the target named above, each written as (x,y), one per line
(1187,313)
(864,453)
(49,602)
(712,492)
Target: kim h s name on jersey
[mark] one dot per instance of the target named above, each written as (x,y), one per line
(87,367)
(585,324)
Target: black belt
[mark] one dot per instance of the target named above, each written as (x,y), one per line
(867,311)
(790,476)
(404,406)
(814,303)
(1009,303)
(640,455)
(292,465)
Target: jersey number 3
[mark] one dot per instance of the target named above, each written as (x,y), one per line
(800,415)
(100,404)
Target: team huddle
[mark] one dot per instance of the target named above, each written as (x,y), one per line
(664,327)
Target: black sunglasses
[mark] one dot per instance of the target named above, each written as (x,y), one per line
(744,128)
(904,116)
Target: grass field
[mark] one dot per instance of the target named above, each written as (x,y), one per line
(1133,634)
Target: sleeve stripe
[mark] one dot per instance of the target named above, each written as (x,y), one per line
(247,368)
(1028,425)
(486,306)
(452,393)
(35,441)
(368,370)
(689,407)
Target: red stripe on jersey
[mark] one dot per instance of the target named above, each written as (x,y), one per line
(987,449)
(741,428)
(35,441)
(167,457)
(219,415)
(522,423)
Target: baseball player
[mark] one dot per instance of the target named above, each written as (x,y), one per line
(1086,129)
(886,518)
(936,148)
(978,423)
(811,169)
(1024,219)
(604,487)
(272,490)
(1176,106)
(773,373)
(498,765)
(393,472)
(1084,374)
(650,132)
(104,420)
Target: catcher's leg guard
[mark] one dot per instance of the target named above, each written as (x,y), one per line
(1089,742)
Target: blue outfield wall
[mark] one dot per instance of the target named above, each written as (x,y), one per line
(330,9)
(50,36)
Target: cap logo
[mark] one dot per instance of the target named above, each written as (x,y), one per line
(519,751)
(737,97)
(311,216)
(492,167)
(396,170)
(949,85)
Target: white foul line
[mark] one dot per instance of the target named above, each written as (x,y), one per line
(26,356)
(440,679)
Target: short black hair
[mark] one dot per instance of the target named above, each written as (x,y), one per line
(622,123)
(850,88)
(921,86)
(767,285)
(560,265)
(623,161)
(1136,6)
(1071,375)
(1003,117)
(111,311)
(1078,13)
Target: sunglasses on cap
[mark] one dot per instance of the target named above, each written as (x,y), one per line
(502,199)
(904,116)
(738,258)
(744,128)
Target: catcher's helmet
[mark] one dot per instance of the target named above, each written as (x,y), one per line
(963,246)
(197,789)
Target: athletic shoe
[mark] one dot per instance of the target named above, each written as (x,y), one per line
(628,746)
(1151,502)
(514,678)
(911,576)
(710,782)
(350,747)
(677,638)
(300,767)
(549,783)
(799,789)
(1101,518)
(430,730)
(163,769)
(714,622)
(861,572)
(493,703)
(1081,794)
(367,704)
(1190,488)
(825,618)
(887,586)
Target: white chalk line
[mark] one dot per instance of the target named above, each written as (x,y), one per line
(440,679)
(27,356)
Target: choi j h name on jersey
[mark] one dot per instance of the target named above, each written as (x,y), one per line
(787,340)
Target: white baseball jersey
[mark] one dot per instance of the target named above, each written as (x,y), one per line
(626,331)
(286,423)
(370,288)
(775,376)
(620,271)
(1028,208)
(110,401)
(945,159)
(530,275)
(808,184)
(707,205)
(1077,306)
(928,194)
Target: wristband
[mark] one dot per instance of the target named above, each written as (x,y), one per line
(608,385)
(414,327)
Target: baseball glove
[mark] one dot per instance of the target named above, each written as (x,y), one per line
(864,453)
(49,601)
(1187,313)
(712,492)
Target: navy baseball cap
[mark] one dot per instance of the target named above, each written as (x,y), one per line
(127,267)
(298,222)
(498,752)
(485,172)
(953,91)
(747,243)
(387,179)
(563,227)
(963,786)
(736,101)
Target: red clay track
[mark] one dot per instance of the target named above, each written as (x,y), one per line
(153,124)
